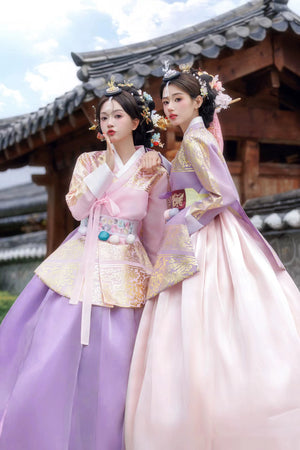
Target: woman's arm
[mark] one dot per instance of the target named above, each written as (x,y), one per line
(89,181)
(153,223)
(213,174)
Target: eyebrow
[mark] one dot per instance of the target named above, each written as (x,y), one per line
(175,93)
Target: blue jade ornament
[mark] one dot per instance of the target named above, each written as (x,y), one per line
(103,235)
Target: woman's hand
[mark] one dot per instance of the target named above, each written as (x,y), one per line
(109,154)
(150,161)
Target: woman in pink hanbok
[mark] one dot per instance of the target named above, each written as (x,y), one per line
(216,364)
(66,344)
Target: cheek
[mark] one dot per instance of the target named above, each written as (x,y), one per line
(103,126)
(182,105)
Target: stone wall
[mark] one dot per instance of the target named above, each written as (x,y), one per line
(14,275)
(277,217)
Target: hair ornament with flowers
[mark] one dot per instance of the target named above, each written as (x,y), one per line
(222,101)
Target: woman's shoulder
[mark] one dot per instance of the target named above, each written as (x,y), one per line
(95,158)
(201,137)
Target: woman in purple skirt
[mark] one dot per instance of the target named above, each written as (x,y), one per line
(66,344)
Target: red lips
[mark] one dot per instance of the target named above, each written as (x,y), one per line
(172,116)
(111,132)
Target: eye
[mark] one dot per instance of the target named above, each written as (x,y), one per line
(118,116)
(165,102)
(103,118)
(178,99)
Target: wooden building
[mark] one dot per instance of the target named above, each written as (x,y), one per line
(255,51)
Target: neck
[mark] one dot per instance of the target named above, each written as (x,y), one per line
(185,126)
(125,149)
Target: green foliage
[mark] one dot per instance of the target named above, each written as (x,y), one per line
(6,300)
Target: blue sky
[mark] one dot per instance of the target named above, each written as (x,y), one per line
(37,38)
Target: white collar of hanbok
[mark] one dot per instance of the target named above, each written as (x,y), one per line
(121,167)
(194,121)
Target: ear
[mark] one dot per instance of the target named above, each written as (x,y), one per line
(135,124)
(199,101)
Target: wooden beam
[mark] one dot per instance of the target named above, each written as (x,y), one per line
(279,170)
(42,179)
(261,124)
(286,53)
(11,152)
(275,80)
(235,167)
(22,148)
(249,150)
(72,120)
(242,62)
(56,129)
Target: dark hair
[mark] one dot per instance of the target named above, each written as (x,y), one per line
(134,105)
(188,83)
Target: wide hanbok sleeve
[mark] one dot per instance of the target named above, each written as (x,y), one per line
(153,223)
(218,190)
(90,179)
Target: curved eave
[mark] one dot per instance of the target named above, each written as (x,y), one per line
(248,22)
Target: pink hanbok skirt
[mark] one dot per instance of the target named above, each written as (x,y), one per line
(216,364)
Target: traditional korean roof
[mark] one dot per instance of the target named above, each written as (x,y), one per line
(22,207)
(22,199)
(231,30)
(23,246)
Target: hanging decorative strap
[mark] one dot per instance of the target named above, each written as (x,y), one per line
(84,283)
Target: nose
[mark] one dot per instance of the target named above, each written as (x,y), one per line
(170,106)
(110,122)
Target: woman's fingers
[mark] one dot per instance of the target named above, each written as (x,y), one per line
(150,161)
(110,157)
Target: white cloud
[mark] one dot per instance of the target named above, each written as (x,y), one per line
(45,47)
(294,5)
(101,43)
(52,79)
(137,20)
(10,95)
(34,17)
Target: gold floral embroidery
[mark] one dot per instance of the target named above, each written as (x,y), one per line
(141,180)
(176,237)
(120,272)
(180,163)
(124,286)
(60,269)
(170,270)
(176,260)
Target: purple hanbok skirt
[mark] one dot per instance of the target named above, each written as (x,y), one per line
(56,394)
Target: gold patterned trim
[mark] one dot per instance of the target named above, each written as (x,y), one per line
(176,260)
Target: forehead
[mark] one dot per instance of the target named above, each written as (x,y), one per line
(111,106)
(172,89)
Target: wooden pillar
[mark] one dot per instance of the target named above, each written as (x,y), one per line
(249,155)
(59,220)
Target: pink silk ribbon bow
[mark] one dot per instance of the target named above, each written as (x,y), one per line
(83,286)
